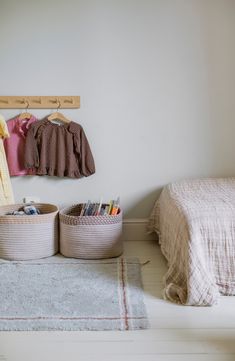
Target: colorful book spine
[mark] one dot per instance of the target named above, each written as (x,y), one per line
(115,207)
(100,209)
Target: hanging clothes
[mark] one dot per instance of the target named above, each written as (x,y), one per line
(6,193)
(15,145)
(58,150)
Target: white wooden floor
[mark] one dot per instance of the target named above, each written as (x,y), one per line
(177,332)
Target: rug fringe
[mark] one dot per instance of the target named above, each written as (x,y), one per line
(144,263)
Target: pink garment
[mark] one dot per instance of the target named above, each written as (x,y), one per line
(15,146)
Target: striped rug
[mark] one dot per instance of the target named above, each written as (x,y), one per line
(60,293)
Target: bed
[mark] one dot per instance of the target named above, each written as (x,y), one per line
(195,222)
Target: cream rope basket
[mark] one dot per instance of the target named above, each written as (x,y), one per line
(89,237)
(24,237)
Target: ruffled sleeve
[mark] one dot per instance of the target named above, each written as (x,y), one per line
(4,133)
(31,159)
(83,150)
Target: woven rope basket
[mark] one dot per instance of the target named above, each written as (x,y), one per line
(28,236)
(89,237)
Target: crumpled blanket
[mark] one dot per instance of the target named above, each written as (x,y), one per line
(195,221)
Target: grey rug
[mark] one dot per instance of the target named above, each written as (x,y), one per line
(60,293)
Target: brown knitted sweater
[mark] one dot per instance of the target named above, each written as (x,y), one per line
(58,150)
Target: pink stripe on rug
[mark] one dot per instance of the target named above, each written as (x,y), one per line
(124,295)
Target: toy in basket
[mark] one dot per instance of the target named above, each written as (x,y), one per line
(28,232)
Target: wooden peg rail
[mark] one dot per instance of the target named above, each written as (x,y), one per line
(39,102)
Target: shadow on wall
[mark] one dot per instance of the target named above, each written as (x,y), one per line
(143,206)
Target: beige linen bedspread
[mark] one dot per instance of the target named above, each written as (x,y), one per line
(195,221)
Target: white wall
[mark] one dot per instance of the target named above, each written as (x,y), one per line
(157,86)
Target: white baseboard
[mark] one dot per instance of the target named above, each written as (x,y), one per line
(135,229)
